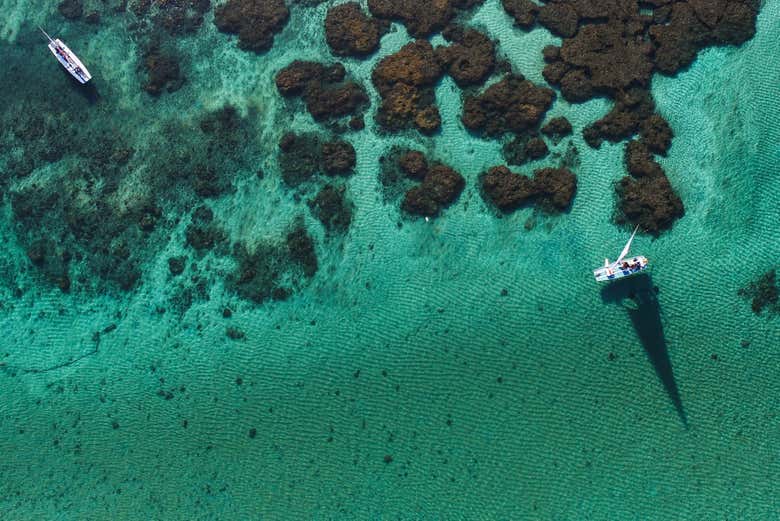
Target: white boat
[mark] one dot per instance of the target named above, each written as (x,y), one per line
(623,266)
(68,59)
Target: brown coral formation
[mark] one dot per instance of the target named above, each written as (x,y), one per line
(470,59)
(525,148)
(254,21)
(436,185)
(557,128)
(523,11)
(440,188)
(420,18)
(763,293)
(332,208)
(338,157)
(71,9)
(326,94)
(304,155)
(350,32)
(405,81)
(612,48)
(650,202)
(552,189)
(514,104)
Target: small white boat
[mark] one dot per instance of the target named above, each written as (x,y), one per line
(68,59)
(623,266)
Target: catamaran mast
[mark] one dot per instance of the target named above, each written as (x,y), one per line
(47,34)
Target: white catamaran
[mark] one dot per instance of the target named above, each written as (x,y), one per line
(622,267)
(68,59)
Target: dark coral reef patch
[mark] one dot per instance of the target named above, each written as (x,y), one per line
(552,189)
(612,49)
(470,59)
(323,87)
(405,81)
(304,155)
(513,105)
(254,21)
(332,208)
(421,19)
(351,32)
(763,293)
(429,187)
(163,70)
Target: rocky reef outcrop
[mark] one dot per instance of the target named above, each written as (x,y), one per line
(254,21)
(323,88)
(421,19)
(551,189)
(512,105)
(304,155)
(470,58)
(351,32)
(612,49)
(428,187)
(405,82)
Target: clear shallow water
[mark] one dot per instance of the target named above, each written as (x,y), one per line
(491,406)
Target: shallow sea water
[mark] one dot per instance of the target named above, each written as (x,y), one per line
(558,400)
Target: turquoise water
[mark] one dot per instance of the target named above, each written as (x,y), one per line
(399,383)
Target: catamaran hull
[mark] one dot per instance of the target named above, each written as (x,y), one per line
(70,61)
(616,271)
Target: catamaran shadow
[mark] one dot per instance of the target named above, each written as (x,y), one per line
(639,297)
(88,91)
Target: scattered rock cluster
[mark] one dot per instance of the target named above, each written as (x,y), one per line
(304,155)
(406,80)
(612,49)
(763,293)
(432,186)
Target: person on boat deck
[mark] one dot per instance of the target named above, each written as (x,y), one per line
(625,265)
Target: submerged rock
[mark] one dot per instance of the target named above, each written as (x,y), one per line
(303,155)
(470,59)
(350,32)
(649,202)
(405,81)
(254,21)
(338,157)
(524,12)
(420,18)
(332,208)
(631,109)
(301,249)
(300,158)
(71,9)
(326,94)
(414,164)
(557,127)
(552,189)
(439,186)
(514,104)
(763,293)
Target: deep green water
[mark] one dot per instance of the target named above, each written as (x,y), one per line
(490,406)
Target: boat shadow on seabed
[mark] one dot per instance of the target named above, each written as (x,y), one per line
(638,297)
(87,91)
